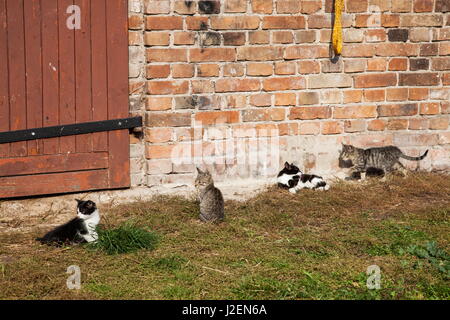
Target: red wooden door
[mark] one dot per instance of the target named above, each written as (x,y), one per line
(54,74)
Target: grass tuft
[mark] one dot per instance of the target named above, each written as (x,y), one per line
(125,239)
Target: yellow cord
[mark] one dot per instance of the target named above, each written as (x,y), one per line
(337,29)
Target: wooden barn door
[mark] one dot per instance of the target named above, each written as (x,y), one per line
(52,73)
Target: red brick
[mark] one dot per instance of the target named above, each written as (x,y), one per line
(401,6)
(208,70)
(234,22)
(277,114)
(168,87)
(261,100)
(285,99)
(356,5)
(421,20)
(166,55)
(158,135)
(262,6)
(169,119)
(216,117)
(235,6)
(181,7)
(182,70)
(311,6)
(354,112)
(288,6)
(157,38)
(310,113)
(397,124)
(163,23)
(376,64)
(259,53)
(306,52)
(212,54)
(197,23)
(358,50)
(282,37)
(376,80)
(351,126)
(419,79)
(308,67)
(309,128)
(396,49)
(423,5)
(284,83)
(259,69)
(158,71)
(374,95)
(283,22)
(418,93)
(332,127)
(429,108)
(397,94)
(376,125)
(183,38)
(353,96)
(159,151)
(429,49)
(158,103)
(418,124)
(240,85)
(233,70)
(285,68)
(375,35)
(398,64)
(135,22)
(390,20)
(319,21)
(392,110)
(202,86)
(439,123)
(259,37)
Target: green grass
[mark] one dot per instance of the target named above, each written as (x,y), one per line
(124,239)
(313,245)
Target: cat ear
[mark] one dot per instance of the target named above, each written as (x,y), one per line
(78,200)
(287,166)
(199,170)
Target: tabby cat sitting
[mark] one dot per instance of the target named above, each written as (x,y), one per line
(379,160)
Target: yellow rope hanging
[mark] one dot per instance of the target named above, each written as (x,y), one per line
(337,29)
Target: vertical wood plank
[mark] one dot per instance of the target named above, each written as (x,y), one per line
(17,83)
(117,32)
(33,57)
(66,75)
(83,75)
(50,71)
(99,72)
(4,81)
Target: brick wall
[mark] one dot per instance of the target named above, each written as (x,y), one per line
(240,86)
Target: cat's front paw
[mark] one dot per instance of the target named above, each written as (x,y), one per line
(292,190)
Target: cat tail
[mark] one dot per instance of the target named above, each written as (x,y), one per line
(404,156)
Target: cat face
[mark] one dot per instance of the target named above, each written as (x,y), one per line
(290,169)
(347,156)
(86,208)
(203,179)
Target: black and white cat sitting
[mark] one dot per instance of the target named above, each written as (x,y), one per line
(78,230)
(293,179)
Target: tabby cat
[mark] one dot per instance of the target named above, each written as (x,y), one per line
(211,198)
(381,160)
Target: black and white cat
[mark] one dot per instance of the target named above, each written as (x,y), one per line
(78,230)
(293,179)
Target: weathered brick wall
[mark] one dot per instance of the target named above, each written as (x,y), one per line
(243,85)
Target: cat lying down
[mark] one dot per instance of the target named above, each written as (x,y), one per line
(293,179)
(78,230)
